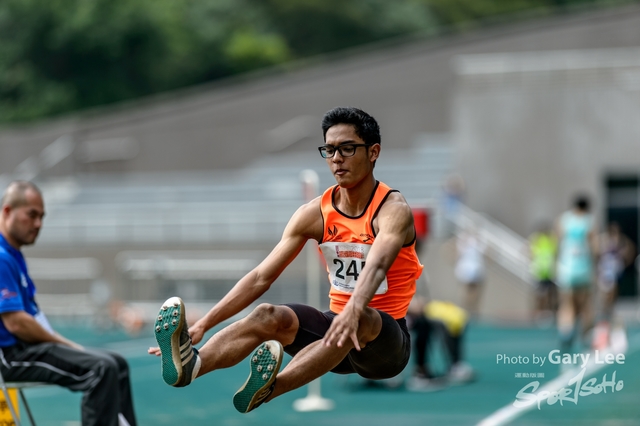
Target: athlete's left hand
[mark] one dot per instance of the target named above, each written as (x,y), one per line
(343,328)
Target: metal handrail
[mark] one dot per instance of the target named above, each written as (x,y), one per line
(507,248)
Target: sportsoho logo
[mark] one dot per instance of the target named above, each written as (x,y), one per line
(568,387)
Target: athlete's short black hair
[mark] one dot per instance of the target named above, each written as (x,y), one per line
(365,125)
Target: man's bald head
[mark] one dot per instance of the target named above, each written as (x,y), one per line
(21,214)
(16,193)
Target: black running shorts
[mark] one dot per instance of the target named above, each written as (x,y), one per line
(384,357)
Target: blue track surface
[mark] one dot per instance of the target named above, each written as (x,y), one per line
(208,400)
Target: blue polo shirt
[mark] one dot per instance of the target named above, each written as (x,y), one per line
(17,291)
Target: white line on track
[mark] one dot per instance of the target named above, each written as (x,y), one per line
(510,412)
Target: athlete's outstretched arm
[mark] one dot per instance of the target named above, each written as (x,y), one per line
(305,224)
(395,224)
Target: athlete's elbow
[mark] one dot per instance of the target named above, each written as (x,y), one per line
(383,265)
(262,281)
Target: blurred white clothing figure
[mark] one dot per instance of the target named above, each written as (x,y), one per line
(470,268)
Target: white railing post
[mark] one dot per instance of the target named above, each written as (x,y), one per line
(314,400)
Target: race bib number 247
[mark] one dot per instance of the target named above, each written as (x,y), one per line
(345,262)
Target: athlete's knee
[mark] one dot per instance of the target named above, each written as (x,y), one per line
(263,314)
(271,317)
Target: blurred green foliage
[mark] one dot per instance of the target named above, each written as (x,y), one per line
(58,56)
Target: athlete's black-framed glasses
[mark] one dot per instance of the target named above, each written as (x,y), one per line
(345,150)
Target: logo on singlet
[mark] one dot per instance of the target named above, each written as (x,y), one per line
(333,233)
(367,237)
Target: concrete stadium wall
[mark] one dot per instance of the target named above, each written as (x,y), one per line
(533,129)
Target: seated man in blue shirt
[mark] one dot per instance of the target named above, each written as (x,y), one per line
(30,350)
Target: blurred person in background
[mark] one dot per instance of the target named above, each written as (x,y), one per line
(452,200)
(31,350)
(442,324)
(574,273)
(366,233)
(470,267)
(615,252)
(127,316)
(543,248)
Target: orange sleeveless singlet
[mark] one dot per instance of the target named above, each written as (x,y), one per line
(346,241)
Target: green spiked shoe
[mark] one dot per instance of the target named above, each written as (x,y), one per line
(180,360)
(265,364)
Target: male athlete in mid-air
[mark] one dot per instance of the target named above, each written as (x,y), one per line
(365,232)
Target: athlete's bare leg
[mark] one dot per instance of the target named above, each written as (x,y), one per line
(234,343)
(317,359)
